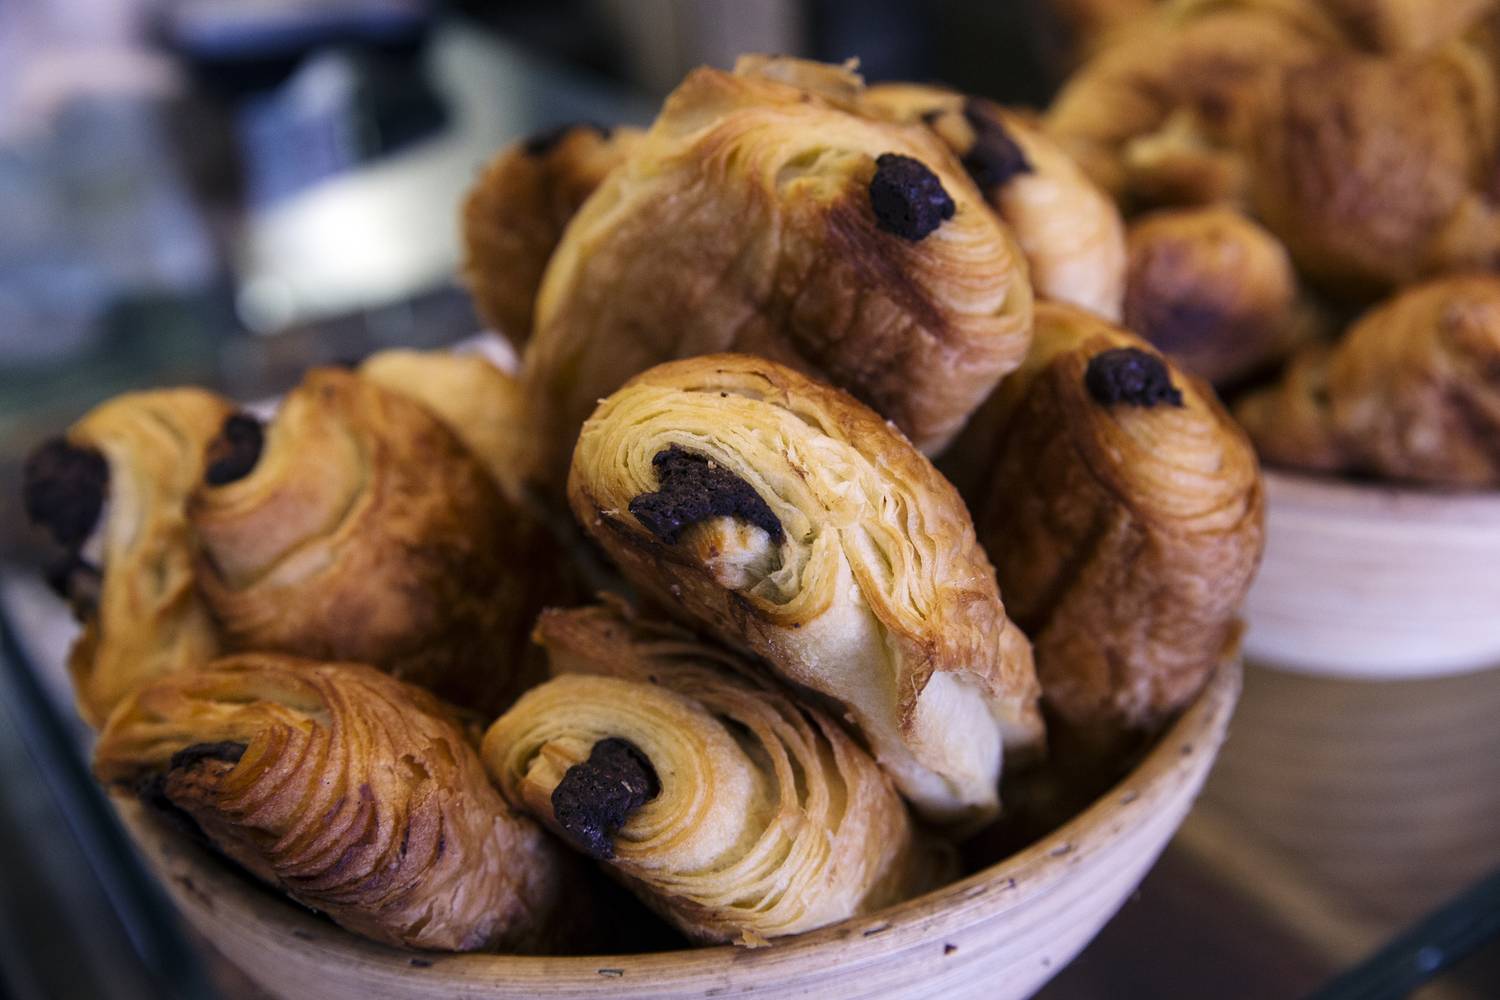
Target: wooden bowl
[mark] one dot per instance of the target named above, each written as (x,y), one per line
(1372,581)
(1382,796)
(1000,933)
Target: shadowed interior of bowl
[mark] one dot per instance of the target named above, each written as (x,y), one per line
(1369,580)
(1001,932)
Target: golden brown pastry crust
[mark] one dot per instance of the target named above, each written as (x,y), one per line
(1069,230)
(1376,171)
(1125,534)
(1215,291)
(517,210)
(769,819)
(365,531)
(875,594)
(357,795)
(148,619)
(744,221)
(1411,392)
(482,405)
(1157,117)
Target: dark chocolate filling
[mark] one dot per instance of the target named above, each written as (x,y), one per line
(77,581)
(994,158)
(595,798)
(1183,325)
(692,489)
(151,789)
(228,751)
(234,452)
(908,199)
(543,142)
(1130,375)
(63,489)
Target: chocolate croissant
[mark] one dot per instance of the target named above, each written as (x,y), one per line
(1411,392)
(1158,116)
(357,795)
(1215,291)
(1125,517)
(795,523)
(1379,171)
(735,812)
(1068,229)
(113,494)
(517,210)
(771,217)
(481,404)
(360,528)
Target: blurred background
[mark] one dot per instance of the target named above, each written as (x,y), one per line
(224,192)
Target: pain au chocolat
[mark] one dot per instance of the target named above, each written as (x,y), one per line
(113,493)
(361,528)
(517,210)
(794,523)
(1410,393)
(765,213)
(354,793)
(737,813)
(1069,230)
(1124,514)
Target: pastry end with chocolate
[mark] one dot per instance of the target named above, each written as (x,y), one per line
(1131,376)
(595,798)
(234,452)
(908,198)
(691,488)
(63,490)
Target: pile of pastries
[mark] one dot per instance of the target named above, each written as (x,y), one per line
(351,644)
(1313,189)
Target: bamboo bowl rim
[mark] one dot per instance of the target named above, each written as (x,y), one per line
(1182,755)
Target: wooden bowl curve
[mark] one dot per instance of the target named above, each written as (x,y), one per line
(1000,933)
(1371,581)
(1383,796)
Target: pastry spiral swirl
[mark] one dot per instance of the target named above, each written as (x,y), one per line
(795,523)
(517,210)
(751,818)
(354,793)
(122,477)
(1069,230)
(364,530)
(1411,392)
(1125,516)
(773,218)
(482,405)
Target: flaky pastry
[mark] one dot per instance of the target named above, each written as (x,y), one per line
(793,522)
(517,210)
(1411,392)
(1378,171)
(113,493)
(1124,513)
(770,217)
(1069,230)
(362,529)
(735,812)
(478,402)
(1215,291)
(356,794)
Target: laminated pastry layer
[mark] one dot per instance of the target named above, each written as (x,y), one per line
(113,493)
(765,213)
(735,812)
(794,523)
(357,795)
